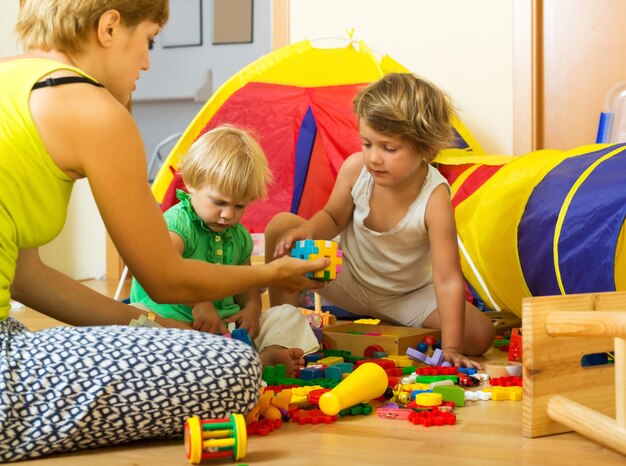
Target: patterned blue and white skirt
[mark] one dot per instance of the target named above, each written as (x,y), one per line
(69,388)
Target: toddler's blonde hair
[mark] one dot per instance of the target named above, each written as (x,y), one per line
(231,161)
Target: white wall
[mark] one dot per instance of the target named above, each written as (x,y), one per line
(8,44)
(465,47)
(79,251)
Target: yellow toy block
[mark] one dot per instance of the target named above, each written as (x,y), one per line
(330,360)
(309,249)
(505,393)
(400,360)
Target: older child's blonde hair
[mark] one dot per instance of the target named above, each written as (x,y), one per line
(65,24)
(230,161)
(406,106)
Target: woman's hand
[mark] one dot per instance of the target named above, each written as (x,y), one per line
(291,273)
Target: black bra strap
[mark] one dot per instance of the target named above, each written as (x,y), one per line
(65,80)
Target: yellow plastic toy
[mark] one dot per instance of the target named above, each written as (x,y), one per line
(215,438)
(367,382)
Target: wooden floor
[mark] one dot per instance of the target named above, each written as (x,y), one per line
(486,433)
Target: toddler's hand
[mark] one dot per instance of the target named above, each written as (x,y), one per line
(206,319)
(248,319)
(286,241)
(457,359)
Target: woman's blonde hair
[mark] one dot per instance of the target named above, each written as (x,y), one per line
(230,161)
(65,24)
(413,109)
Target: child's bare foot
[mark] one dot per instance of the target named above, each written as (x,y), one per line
(292,358)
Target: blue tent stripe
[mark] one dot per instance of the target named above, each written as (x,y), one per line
(588,240)
(304,149)
(458,142)
(538,224)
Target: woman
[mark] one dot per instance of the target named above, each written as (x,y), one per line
(63,117)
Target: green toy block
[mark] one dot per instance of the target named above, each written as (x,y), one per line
(451,393)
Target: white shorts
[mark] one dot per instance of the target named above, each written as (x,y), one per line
(408,309)
(285,326)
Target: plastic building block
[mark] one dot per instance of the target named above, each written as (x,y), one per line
(334,372)
(393,413)
(401,360)
(477,395)
(310,373)
(437,370)
(436,359)
(313,357)
(435,378)
(309,249)
(241,334)
(362,409)
(451,393)
(415,354)
(312,416)
(263,427)
(515,347)
(505,393)
(468,381)
(511,381)
(440,383)
(330,360)
(428,399)
(432,418)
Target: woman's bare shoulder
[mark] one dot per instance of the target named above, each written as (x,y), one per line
(81,120)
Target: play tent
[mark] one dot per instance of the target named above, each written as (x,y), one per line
(549,222)
(298,103)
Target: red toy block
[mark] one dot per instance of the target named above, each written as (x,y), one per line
(511,381)
(312,416)
(263,427)
(515,346)
(437,370)
(432,418)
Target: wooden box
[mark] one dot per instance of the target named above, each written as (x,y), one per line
(393,339)
(552,366)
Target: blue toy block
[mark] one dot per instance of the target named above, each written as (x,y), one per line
(241,334)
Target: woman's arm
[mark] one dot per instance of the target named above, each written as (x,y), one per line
(43,288)
(94,136)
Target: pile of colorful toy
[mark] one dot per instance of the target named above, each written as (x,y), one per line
(337,383)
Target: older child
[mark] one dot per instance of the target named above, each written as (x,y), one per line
(224,171)
(393,211)
(63,117)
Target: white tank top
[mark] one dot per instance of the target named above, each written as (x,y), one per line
(395,261)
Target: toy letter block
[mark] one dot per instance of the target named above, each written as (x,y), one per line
(309,249)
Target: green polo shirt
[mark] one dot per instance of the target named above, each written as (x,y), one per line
(233,246)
